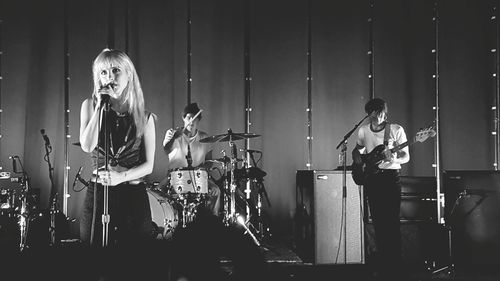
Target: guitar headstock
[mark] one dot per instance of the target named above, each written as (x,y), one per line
(423,134)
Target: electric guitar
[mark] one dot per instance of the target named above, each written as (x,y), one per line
(370,161)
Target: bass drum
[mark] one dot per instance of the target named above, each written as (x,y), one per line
(163,214)
(9,232)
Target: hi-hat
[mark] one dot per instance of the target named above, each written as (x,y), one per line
(229,136)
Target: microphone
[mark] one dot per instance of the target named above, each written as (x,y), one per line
(45,138)
(14,165)
(77,176)
(109,86)
(105,97)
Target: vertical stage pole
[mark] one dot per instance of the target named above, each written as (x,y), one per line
(496,106)
(437,151)
(1,79)
(111,25)
(66,109)
(189,52)
(247,93)
(371,50)
(127,21)
(309,163)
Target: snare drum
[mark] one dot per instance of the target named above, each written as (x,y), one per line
(189,181)
(163,214)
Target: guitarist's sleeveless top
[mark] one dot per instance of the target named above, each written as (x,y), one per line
(125,149)
(371,139)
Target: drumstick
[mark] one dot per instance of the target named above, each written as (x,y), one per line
(190,121)
(194,118)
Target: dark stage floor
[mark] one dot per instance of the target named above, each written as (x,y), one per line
(241,260)
(283,264)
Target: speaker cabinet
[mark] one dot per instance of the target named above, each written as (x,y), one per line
(319,222)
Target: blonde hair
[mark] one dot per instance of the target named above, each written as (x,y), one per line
(132,94)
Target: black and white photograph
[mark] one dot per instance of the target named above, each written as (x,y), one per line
(230,140)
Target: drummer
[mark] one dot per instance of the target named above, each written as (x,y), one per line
(181,142)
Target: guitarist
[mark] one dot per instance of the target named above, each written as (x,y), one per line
(383,186)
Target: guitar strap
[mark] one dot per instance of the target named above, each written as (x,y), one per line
(387,133)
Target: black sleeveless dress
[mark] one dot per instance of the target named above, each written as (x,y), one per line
(129,210)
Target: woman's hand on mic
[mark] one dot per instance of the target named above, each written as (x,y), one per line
(105,92)
(113,177)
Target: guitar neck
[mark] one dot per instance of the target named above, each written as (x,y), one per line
(421,136)
(401,146)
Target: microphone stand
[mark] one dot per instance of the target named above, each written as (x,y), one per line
(343,143)
(189,159)
(53,194)
(105,214)
(186,214)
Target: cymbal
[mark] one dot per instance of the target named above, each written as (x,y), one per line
(248,173)
(255,173)
(229,136)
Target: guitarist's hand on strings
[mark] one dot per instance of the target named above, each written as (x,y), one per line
(389,157)
(399,157)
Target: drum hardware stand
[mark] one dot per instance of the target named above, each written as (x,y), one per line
(232,199)
(261,227)
(243,223)
(230,215)
(226,189)
(257,183)
(23,217)
(188,211)
(52,227)
(248,189)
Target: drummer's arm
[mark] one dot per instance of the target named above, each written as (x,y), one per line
(170,136)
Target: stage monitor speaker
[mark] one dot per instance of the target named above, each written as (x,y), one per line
(472,211)
(319,218)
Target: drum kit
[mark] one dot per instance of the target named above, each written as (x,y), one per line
(22,224)
(175,203)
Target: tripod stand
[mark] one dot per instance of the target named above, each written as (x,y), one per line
(449,269)
(255,182)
